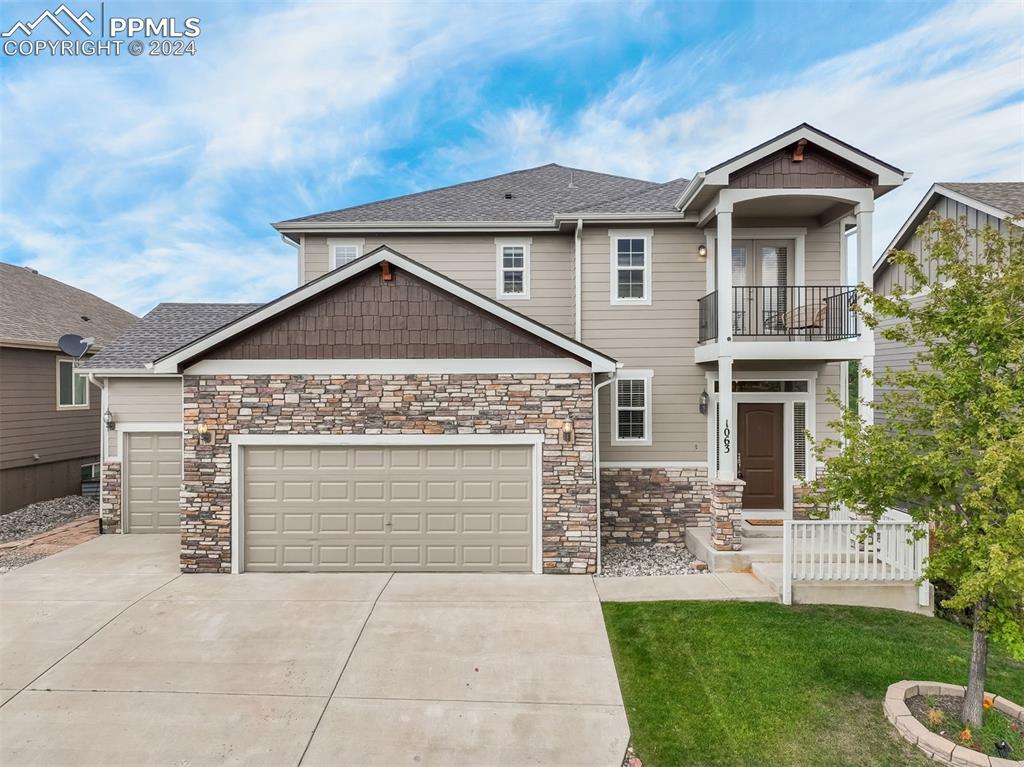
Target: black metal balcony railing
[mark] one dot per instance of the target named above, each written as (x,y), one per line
(796,312)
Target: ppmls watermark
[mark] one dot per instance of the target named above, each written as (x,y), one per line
(61,32)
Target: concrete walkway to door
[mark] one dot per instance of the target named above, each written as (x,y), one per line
(109,657)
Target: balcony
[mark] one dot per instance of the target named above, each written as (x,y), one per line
(787,313)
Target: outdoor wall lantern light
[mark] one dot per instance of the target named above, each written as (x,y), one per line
(108,420)
(567,434)
(204,433)
(702,404)
(702,251)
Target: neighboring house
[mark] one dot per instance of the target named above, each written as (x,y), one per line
(49,417)
(428,397)
(981,205)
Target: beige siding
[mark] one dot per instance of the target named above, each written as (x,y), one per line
(821,256)
(143,400)
(472,260)
(660,337)
(30,423)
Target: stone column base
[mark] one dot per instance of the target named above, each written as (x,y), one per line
(726,514)
(110,496)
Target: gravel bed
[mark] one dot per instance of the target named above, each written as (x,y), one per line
(617,561)
(45,515)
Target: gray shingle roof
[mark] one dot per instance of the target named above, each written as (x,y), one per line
(1006,195)
(36,309)
(660,198)
(536,195)
(166,328)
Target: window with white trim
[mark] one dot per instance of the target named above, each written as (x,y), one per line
(631,408)
(630,267)
(513,267)
(72,387)
(344,251)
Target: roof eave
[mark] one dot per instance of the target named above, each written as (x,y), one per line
(410,226)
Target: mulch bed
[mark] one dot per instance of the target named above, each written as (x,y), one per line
(950,706)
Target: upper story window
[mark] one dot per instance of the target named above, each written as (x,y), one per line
(72,387)
(631,408)
(513,276)
(344,250)
(630,266)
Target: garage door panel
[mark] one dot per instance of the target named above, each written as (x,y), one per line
(388,508)
(152,482)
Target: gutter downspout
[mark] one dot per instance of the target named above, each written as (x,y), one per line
(597,455)
(101,384)
(578,276)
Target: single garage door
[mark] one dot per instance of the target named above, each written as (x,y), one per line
(337,508)
(152,482)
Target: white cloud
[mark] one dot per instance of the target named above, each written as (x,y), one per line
(931,100)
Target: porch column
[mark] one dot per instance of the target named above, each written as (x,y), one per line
(723,266)
(726,428)
(865,273)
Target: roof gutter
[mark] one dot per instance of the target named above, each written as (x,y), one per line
(690,191)
(596,432)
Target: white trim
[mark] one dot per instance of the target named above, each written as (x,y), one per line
(789,351)
(239,441)
(74,372)
(654,464)
(500,243)
(578,281)
(169,364)
(135,427)
(384,366)
(333,243)
(647,376)
(128,373)
(786,399)
(302,259)
(614,235)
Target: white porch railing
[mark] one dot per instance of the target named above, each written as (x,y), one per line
(841,550)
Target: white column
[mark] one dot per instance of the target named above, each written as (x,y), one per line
(726,427)
(865,257)
(724,267)
(865,269)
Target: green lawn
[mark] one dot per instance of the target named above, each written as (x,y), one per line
(737,684)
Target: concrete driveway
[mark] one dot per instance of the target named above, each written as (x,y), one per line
(110,657)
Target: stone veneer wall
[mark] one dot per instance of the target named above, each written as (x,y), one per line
(652,505)
(110,495)
(392,404)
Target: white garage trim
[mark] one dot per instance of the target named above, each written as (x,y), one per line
(122,430)
(392,366)
(238,441)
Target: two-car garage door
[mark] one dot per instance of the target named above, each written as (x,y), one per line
(344,507)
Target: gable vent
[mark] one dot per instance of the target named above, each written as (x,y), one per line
(509,195)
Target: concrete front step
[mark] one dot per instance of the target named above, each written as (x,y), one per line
(769,573)
(698,541)
(748,530)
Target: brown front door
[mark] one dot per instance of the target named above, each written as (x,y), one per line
(760,454)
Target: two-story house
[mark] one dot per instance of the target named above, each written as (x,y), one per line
(502,374)
(49,413)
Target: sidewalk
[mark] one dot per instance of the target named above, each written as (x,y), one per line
(719,587)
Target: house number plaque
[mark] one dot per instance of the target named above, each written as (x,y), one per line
(726,442)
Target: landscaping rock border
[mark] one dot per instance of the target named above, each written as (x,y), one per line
(936,747)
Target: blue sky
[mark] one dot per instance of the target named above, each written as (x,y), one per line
(147,180)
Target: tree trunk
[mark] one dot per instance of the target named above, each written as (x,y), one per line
(975,694)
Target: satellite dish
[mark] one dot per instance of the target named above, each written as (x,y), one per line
(74,346)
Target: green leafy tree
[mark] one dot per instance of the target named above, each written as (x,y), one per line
(947,444)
